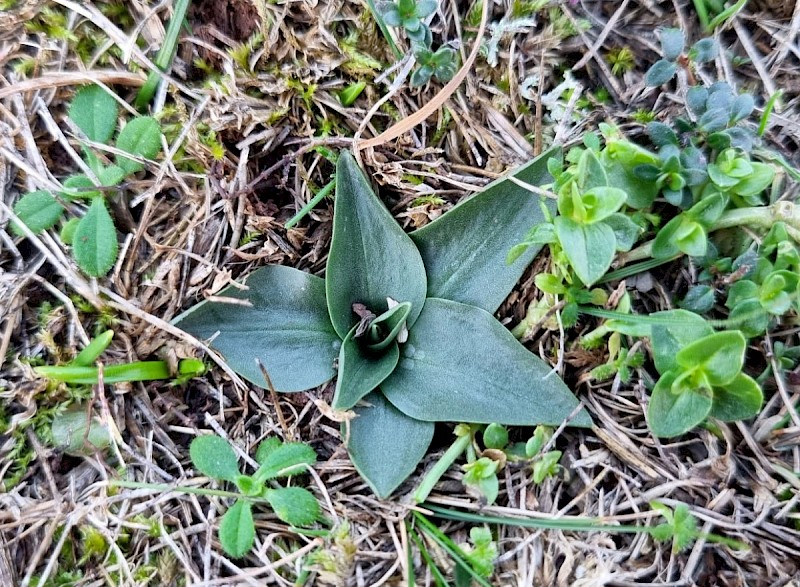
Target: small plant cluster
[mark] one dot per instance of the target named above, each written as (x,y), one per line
(93,236)
(297,506)
(408,321)
(409,15)
(705,173)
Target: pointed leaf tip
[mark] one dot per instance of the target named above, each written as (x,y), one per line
(371,258)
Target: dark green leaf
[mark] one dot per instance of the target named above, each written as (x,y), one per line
(38,211)
(741,398)
(742,107)
(385,445)
(456,368)
(112,175)
(214,457)
(699,298)
(719,355)
(140,137)
(705,50)
(237,531)
(749,317)
(661,134)
(626,231)
(670,414)
(696,98)
(590,248)
(660,73)
(360,371)
(672,43)
(94,111)
(371,258)
(713,120)
(668,339)
(465,249)
(286,326)
(294,505)
(95,241)
(287,459)
(495,436)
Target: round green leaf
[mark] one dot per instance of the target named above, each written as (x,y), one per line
(141,137)
(669,338)
(283,323)
(495,436)
(237,531)
(461,365)
(214,457)
(38,211)
(384,444)
(67,234)
(94,111)
(741,398)
(719,355)
(371,258)
(589,247)
(670,414)
(287,459)
(294,505)
(95,241)
(672,43)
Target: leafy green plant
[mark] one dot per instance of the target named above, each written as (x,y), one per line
(409,318)
(409,15)
(93,237)
(297,506)
(673,43)
(701,376)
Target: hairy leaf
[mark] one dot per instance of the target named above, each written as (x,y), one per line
(385,445)
(214,457)
(287,459)
(94,111)
(286,326)
(294,505)
(237,531)
(38,211)
(95,241)
(465,249)
(456,367)
(371,258)
(140,137)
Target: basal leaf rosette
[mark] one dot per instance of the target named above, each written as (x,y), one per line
(409,318)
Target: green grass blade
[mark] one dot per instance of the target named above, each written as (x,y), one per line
(312,203)
(438,577)
(165,55)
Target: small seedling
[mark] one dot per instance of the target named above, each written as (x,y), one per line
(409,318)
(93,237)
(213,456)
(673,43)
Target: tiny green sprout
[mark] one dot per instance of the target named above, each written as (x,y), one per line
(672,49)
(621,59)
(495,436)
(547,466)
(214,457)
(480,477)
(349,94)
(408,14)
(680,526)
(481,553)
(93,238)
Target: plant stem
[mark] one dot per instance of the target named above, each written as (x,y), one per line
(440,468)
(140,371)
(167,488)
(318,197)
(726,14)
(165,55)
(702,12)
